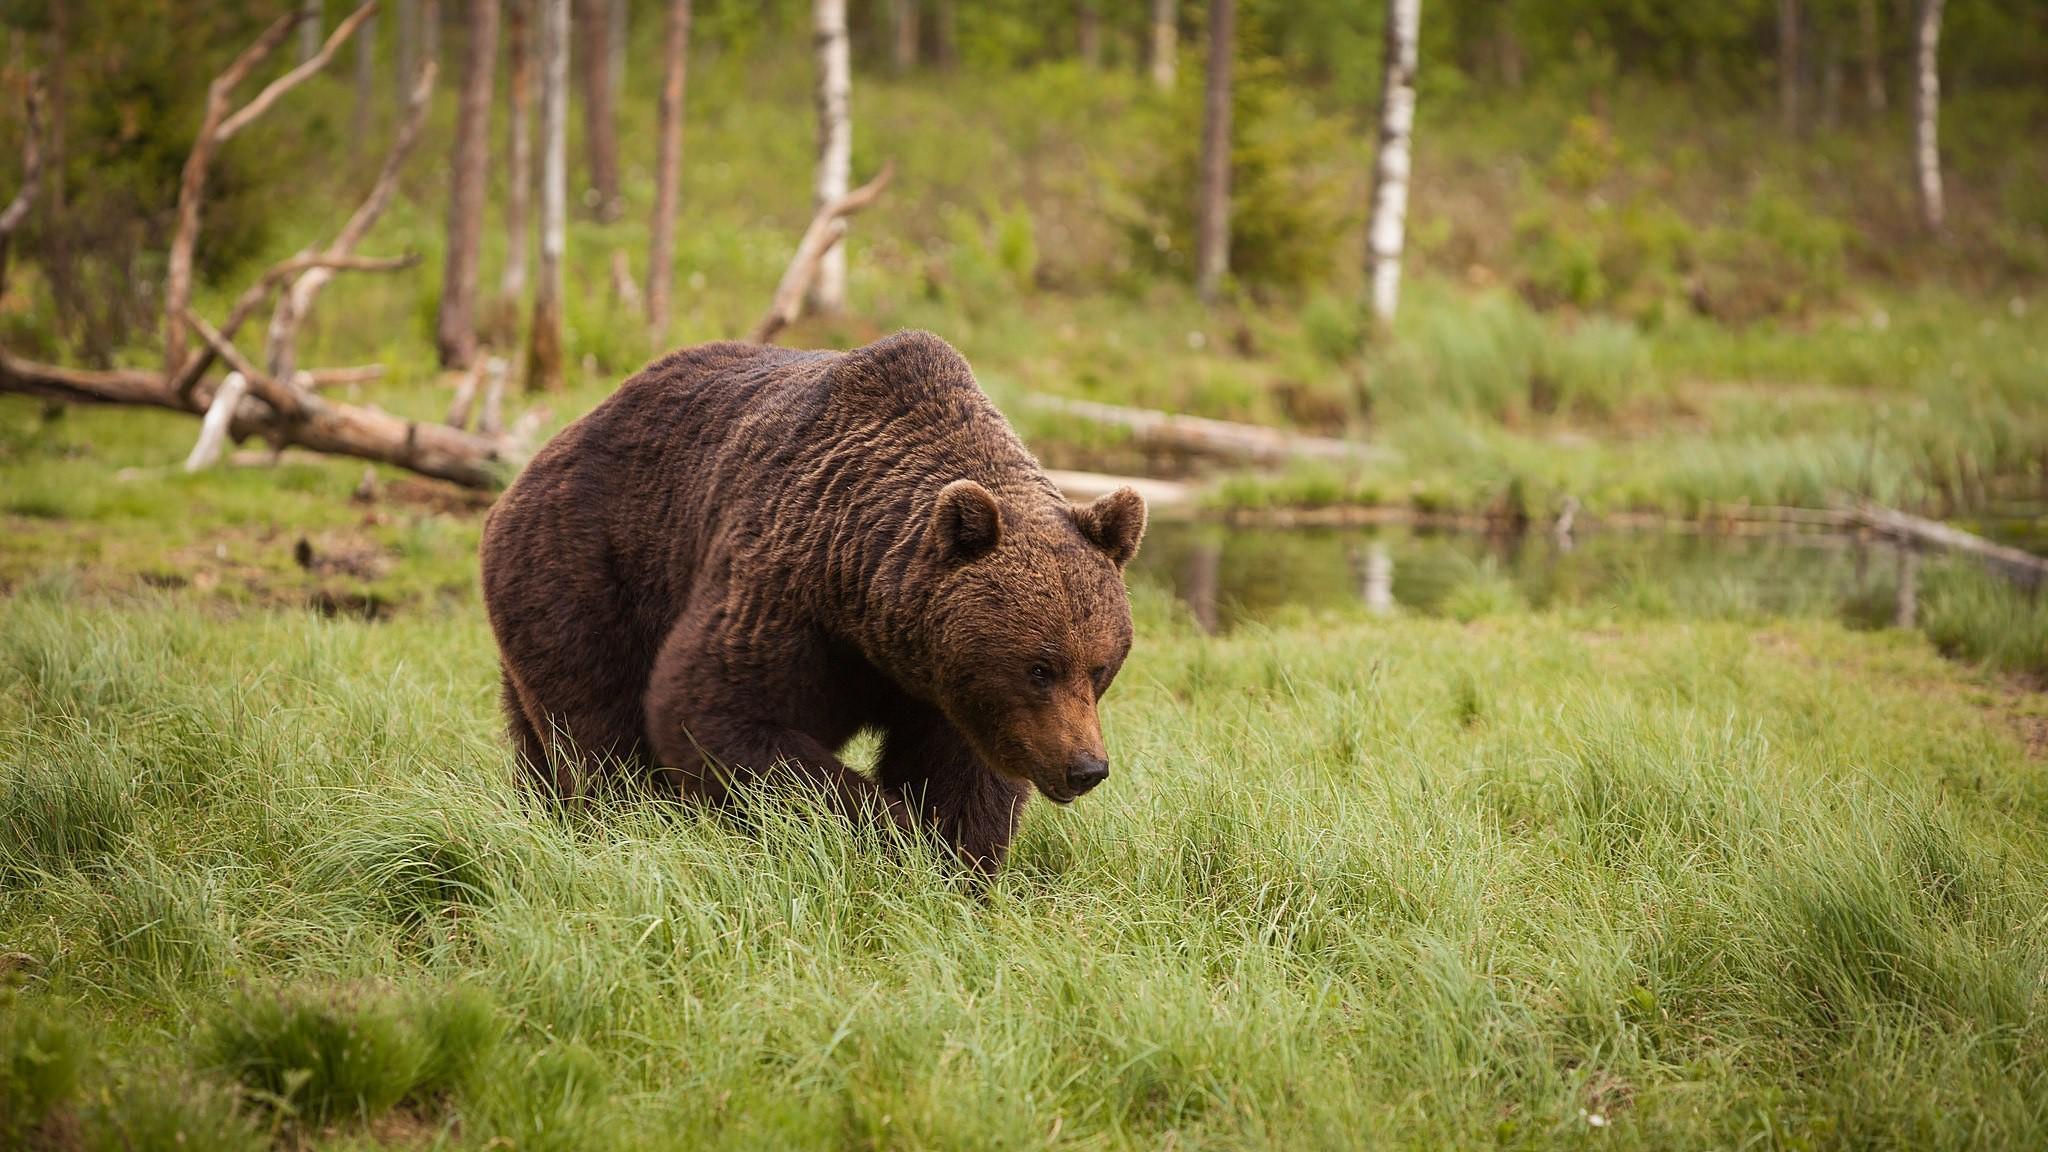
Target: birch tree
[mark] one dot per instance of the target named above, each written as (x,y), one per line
(617,31)
(1385,234)
(1212,218)
(518,149)
(544,350)
(1165,43)
(668,166)
(1927,113)
(455,329)
(835,142)
(600,122)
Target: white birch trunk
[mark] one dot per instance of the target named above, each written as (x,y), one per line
(1927,114)
(544,368)
(1390,173)
(835,142)
(1165,43)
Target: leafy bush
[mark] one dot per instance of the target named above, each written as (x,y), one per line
(1978,616)
(171,1114)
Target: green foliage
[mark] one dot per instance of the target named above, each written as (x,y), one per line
(1976,615)
(41,1056)
(351,1051)
(170,1113)
(1287,195)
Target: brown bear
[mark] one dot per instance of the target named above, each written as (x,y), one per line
(747,555)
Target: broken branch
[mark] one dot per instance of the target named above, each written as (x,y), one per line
(213,431)
(293,78)
(288,403)
(827,228)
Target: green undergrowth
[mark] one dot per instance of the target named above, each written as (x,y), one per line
(1531,880)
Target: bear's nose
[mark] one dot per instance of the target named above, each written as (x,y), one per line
(1086,772)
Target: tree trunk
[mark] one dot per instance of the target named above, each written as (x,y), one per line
(407,34)
(1927,114)
(1385,235)
(945,36)
(309,29)
(1212,237)
(456,330)
(1788,64)
(1089,32)
(1165,43)
(1873,56)
(600,126)
(366,82)
(617,31)
(544,355)
(519,151)
(903,24)
(668,168)
(835,142)
(1830,82)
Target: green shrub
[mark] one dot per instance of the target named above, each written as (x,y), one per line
(351,1051)
(175,1113)
(1976,615)
(40,1059)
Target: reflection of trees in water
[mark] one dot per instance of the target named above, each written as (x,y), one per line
(1229,575)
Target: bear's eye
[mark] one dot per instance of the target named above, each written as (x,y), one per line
(1041,675)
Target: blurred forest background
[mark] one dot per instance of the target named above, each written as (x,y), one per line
(1670,258)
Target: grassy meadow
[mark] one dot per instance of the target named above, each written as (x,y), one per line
(1666,864)
(1530,881)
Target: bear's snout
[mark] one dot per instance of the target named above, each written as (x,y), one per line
(1084,772)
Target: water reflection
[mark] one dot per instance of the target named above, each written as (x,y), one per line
(1230,576)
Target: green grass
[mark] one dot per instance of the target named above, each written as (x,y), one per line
(1402,882)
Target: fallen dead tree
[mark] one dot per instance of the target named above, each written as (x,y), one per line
(1198,434)
(827,229)
(277,401)
(2024,567)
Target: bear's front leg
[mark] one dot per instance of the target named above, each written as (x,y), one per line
(968,804)
(721,716)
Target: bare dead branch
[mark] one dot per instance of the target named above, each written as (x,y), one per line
(826,230)
(213,430)
(295,303)
(289,404)
(331,377)
(465,395)
(292,79)
(1210,437)
(491,420)
(31,160)
(258,293)
(192,187)
(365,433)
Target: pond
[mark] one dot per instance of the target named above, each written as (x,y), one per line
(1230,576)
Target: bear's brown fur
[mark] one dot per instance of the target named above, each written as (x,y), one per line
(749,554)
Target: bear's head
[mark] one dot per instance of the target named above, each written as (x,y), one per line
(1033,624)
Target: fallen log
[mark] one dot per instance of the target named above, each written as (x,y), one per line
(1251,442)
(322,425)
(2023,566)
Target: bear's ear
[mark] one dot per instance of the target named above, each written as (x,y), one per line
(1114,523)
(968,523)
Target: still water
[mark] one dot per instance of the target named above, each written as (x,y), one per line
(1232,576)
